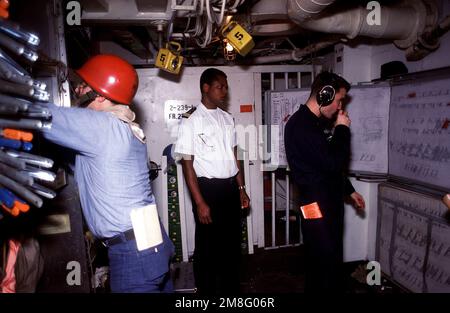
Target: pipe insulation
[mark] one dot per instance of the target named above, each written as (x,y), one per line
(304,10)
(401,23)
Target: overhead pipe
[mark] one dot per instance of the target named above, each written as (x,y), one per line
(304,10)
(402,23)
(295,55)
(270,18)
(408,23)
(428,41)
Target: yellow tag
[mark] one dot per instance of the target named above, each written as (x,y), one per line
(311,211)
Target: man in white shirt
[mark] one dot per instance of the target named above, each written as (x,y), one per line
(207,143)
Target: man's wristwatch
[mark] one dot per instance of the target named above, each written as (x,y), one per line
(241,187)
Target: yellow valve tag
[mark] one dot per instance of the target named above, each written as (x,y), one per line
(169,59)
(238,37)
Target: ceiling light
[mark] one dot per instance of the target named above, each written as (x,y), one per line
(228,51)
(238,37)
(228,47)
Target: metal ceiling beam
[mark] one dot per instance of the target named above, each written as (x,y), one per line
(97,6)
(131,42)
(125,11)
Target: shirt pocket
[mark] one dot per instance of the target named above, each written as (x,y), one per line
(206,142)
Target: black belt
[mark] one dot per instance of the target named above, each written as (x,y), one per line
(230,180)
(120,238)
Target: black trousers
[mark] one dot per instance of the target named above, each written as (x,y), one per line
(218,245)
(323,240)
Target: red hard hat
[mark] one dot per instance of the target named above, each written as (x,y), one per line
(110,76)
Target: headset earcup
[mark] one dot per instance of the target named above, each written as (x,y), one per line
(326,96)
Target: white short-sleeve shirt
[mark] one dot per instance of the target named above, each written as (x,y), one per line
(210,136)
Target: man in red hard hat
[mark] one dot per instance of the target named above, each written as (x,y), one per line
(112,174)
(111,77)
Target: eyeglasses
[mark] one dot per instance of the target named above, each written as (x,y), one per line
(80,88)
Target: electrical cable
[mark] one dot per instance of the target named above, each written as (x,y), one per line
(208,12)
(222,13)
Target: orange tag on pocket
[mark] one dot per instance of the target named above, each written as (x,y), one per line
(311,211)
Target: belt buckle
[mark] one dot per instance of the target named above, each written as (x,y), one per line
(107,242)
(120,238)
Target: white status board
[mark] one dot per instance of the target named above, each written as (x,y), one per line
(368,109)
(413,239)
(419,132)
(281,106)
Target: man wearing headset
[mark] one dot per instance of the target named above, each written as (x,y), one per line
(112,174)
(318,162)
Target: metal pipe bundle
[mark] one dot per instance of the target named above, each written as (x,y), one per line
(20,111)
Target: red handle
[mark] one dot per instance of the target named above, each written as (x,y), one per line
(4,13)
(4,4)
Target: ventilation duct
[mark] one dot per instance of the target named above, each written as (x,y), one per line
(303,10)
(410,24)
(403,23)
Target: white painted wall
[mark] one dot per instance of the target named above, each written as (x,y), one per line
(353,63)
